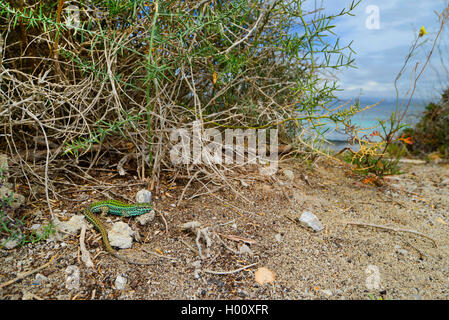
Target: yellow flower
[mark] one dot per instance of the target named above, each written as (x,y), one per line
(422,31)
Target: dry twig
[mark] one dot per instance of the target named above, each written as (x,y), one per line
(363,224)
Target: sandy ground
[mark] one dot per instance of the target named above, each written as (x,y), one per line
(348,259)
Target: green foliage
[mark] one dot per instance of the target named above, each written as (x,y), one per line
(367,162)
(431,133)
(13,228)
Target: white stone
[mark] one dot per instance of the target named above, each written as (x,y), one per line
(72,280)
(310,220)
(146,218)
(143,196)
(121,235)
(120,282)
(10,244)
(72,226)
(245,249)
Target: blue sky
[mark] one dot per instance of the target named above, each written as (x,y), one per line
(380,53)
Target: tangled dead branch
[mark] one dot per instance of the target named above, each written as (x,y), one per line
(110,90)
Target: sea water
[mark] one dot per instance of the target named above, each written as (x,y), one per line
(369,119)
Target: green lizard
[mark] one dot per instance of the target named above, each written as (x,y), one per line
(116,208)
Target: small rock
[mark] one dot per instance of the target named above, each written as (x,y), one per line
(72,226)
(72,280)
(17,199)
(264,275)
(310,220)
(445,182)
(289,174)
(146,218)
(143,196)
(35,226)
(40,278)
(38,229)
(245,249)
(121,235)
(120,282)
(9,244)
(278,237)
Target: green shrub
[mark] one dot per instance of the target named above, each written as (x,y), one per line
(13,228)
(431,133)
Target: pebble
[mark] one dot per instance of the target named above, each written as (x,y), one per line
(120,282)
(245,249)
(10,244)
(18,199)
(121,235)
(146,218)
(72,280)
(71,226)
(39,279)
(310,220)
(143,196)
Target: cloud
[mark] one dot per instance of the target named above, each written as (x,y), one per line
(381,53)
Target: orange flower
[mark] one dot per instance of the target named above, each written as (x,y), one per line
(407,140)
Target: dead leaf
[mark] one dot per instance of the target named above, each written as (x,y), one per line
(264,275)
